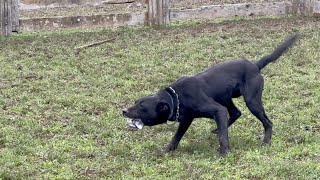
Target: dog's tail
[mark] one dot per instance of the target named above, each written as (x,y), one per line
(281,49)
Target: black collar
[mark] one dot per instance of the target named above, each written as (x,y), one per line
(175,103)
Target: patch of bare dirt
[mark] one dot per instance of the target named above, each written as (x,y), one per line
(285,23)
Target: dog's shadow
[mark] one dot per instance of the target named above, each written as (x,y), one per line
(206,143)
(209,144)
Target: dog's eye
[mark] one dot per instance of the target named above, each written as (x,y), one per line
(140,105)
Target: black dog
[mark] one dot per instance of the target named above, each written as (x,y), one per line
(209,94)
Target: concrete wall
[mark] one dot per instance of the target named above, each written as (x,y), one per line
(57,2)
(36,4)
(69,2)
(113,20)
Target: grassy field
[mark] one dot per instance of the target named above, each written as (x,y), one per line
(60,111)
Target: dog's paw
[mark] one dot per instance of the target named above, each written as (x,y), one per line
(265,144)
(169,148)
(223,151)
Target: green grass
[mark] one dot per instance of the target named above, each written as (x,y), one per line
(60,112)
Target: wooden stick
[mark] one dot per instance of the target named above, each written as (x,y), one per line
(115,2)
(78,49)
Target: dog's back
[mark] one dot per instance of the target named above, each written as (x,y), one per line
(227,80)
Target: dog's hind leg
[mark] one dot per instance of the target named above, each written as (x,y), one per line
(234,114)
(252,95)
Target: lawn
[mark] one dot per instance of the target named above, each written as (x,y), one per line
(60,111)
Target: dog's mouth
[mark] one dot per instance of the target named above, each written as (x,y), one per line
(135,123)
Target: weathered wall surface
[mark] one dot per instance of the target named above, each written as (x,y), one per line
(62,2)
(113,20)
(71,2)
(36,4)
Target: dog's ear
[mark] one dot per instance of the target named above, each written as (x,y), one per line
(162,107)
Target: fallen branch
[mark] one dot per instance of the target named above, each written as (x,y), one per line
(115,2)
(78,49)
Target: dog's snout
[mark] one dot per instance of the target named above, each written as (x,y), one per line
(125,111)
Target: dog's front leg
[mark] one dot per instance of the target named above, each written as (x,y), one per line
(221,119)
(183,127)
(219,113)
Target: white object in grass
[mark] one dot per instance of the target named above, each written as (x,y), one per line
(135,123)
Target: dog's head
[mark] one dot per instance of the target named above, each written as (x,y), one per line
(151,110)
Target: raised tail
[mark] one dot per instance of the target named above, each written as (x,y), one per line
(281,49)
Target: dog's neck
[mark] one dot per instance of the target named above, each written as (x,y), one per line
(174,103)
